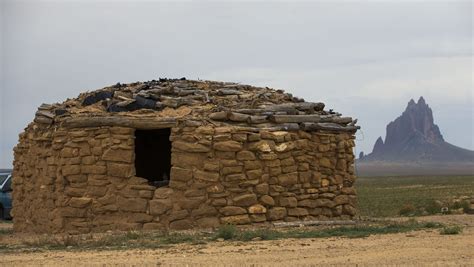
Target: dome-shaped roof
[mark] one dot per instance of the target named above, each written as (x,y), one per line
(172,100)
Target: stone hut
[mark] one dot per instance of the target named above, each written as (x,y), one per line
(178,154)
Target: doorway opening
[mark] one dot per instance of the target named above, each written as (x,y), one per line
(153,156)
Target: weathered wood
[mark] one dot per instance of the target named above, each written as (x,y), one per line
(45,113)
(294,118)
(131,122)
(310,223)
(295,106)
(228,92)
(271,128)
(218,116)
(234,116)
(256,119)
(342,120)
(310,126)
(43,120)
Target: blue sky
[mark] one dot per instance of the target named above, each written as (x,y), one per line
(365,59)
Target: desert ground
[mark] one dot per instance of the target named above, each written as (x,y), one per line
(425,247)
(379,199)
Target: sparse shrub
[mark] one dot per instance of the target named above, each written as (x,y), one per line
(431,225)
(132,235)
(460,205)
(407,210)
(264,234)
(451,230)
(226,232)
(176,238)
(433,207)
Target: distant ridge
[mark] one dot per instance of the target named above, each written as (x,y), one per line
(413,141)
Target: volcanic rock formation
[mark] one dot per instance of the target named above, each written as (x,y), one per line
(413,137)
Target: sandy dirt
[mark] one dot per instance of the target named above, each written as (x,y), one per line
(425,247)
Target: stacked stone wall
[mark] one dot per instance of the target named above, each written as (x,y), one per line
(83,180)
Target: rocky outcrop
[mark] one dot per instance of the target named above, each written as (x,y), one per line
(414,137)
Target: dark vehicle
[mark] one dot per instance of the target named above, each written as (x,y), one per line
(5,195)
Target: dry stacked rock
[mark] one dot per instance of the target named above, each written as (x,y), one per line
(240,155)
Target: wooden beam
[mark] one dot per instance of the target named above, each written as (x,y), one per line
(130,122)
(294,118)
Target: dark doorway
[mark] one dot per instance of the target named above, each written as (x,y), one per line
(153,155)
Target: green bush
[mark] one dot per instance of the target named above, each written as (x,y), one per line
(226,232)
(451,230)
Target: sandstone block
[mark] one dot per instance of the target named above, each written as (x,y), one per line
(211,166)
(203,211)
(177,215)
(163,193)
(132,204)
(69,152)
(288,179)
(74,192)
(257,209)
(284,147)
(254,174)
(252,165)
(235,177)
(217,188)
(348,190)
(230,170)
(325,162)
(145,194)
(236,219)
(219,202)
(323,202)
(194,193)
(288,201)
(245,200)
(298,212)
(120,155)
(245,155)
(72,212)
(119,169)
(232,146)
(258,217)
(348,209)
(78,178)
(181,224)
(325,182)
(267,200)
(71,170)
(209,222)
(206,176)
(160,206)
(181,174)
(93,169)
(190,147)
(262,146)
(190,203)
(134,217)
(287,162)
(232,210)
(277,213)
(262,189)
(308,203)
(79,202)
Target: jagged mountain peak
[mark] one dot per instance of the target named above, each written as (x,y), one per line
(414,136)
